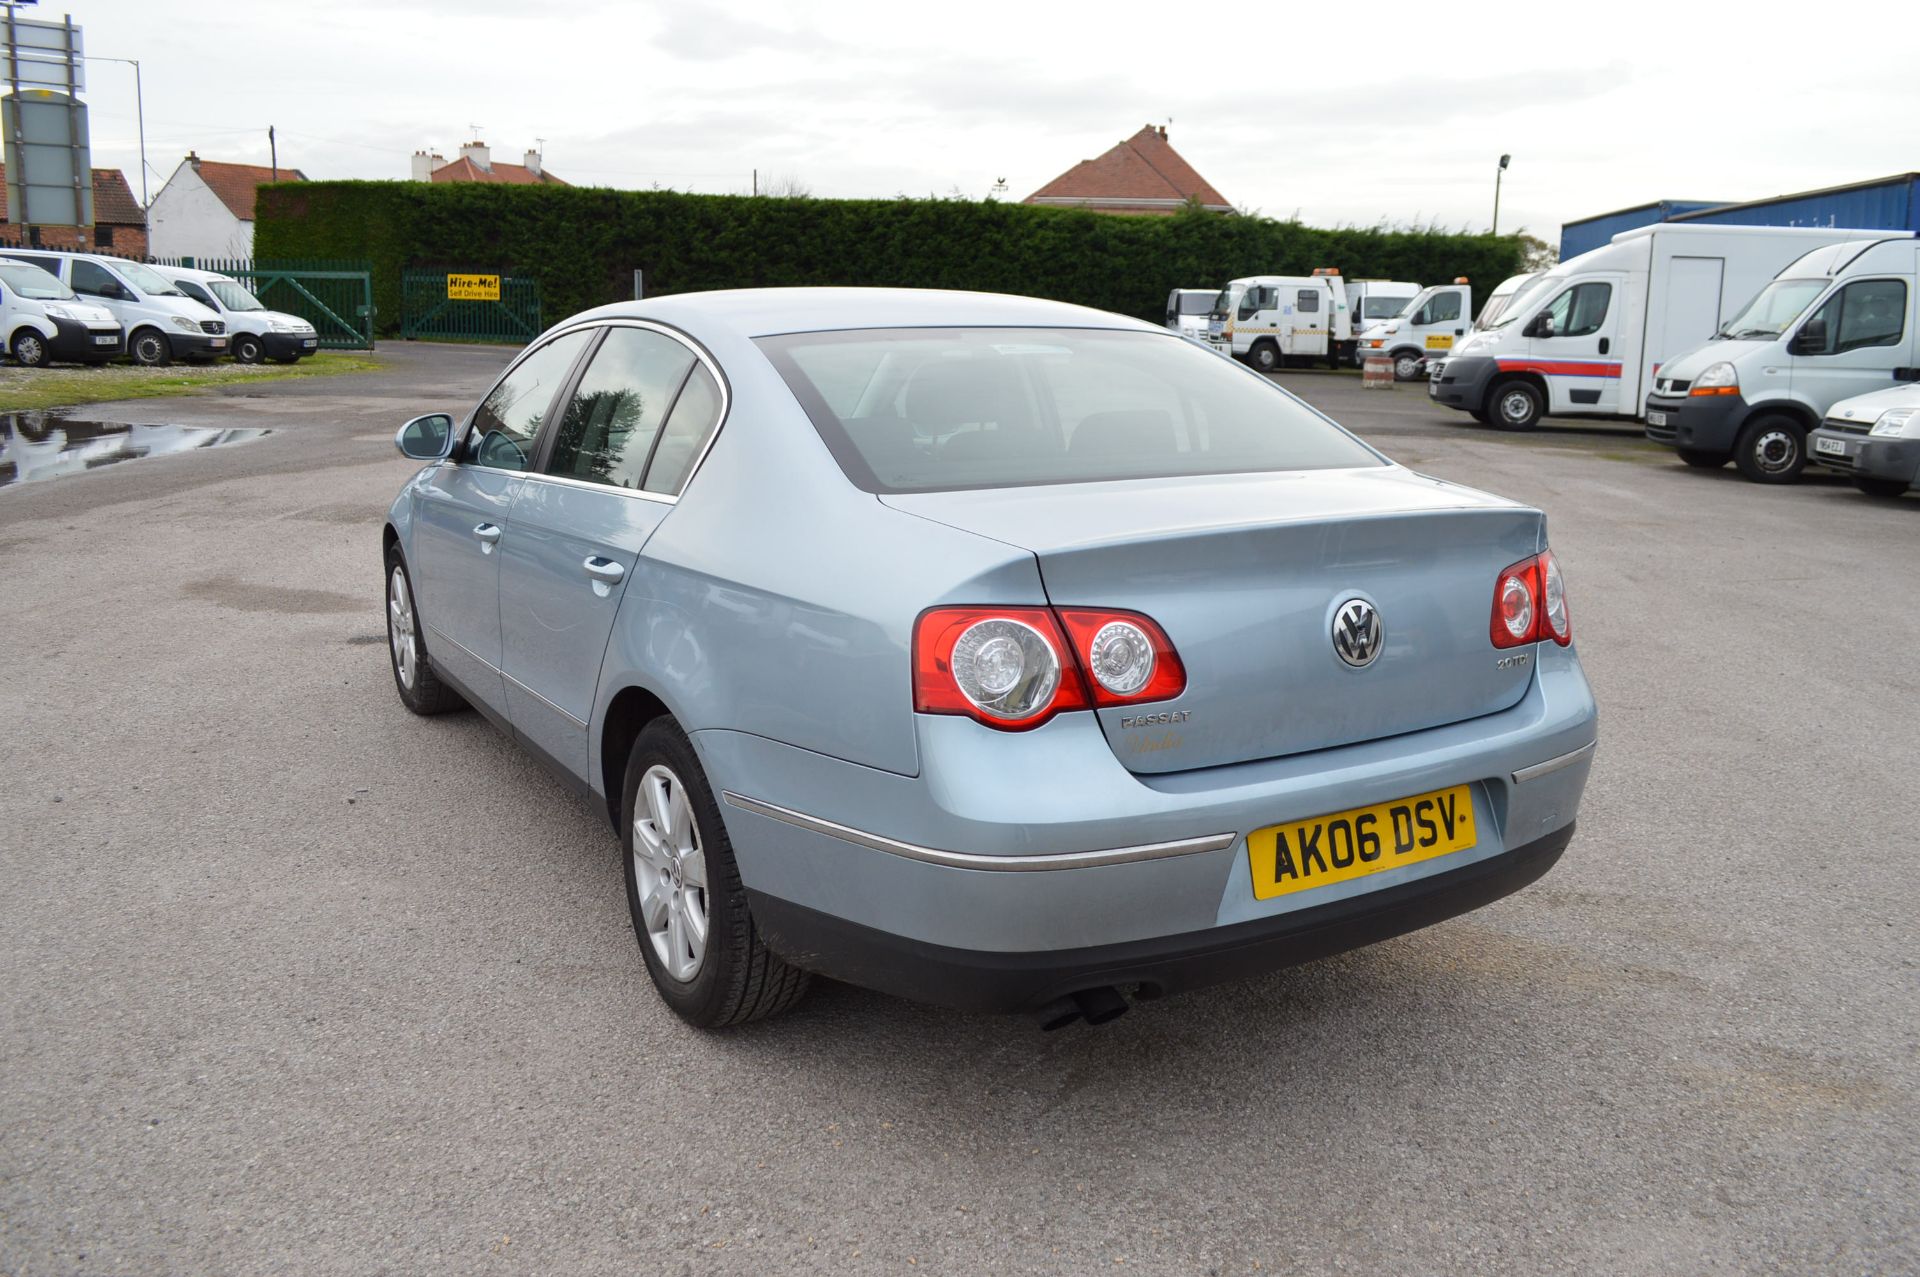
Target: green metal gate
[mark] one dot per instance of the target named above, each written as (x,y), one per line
(336,297)
(465,306)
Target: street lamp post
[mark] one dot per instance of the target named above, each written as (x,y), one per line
(140,109)
(1497,175)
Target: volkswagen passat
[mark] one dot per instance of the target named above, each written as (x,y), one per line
(989,651)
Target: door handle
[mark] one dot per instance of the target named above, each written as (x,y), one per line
(487,532)
(603,569)
(1605,345)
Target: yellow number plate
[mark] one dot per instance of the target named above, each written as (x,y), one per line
(1366,840)
(1442,342)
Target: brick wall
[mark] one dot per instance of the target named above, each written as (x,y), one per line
(121,241)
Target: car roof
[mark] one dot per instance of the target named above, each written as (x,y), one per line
(765,312)
(191,273)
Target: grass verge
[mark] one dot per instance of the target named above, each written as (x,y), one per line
(27,389)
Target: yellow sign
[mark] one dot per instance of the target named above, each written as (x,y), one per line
(473,288)
(1442,342)
(1352,844)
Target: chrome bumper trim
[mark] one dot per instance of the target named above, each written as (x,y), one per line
(973,860)
(1553,765)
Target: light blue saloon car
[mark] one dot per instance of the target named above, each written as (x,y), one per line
(988,651)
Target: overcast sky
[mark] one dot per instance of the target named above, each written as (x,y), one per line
(1341,118)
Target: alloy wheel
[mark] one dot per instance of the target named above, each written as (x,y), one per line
(400,631)
(670,870)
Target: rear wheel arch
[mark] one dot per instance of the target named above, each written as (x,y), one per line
(630,710)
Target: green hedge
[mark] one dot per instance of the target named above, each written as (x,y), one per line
(583,244)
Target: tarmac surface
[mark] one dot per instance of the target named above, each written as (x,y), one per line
(291,980)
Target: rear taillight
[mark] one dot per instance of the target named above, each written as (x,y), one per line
(1530,604)
(1016,667)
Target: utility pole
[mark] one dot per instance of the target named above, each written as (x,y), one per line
(140,110)
(1498,174)
(273,153)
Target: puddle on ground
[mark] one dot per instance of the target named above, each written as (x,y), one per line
(42,445)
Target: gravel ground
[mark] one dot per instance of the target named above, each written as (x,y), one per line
(291,980)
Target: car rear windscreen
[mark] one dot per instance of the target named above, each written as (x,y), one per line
(935,409)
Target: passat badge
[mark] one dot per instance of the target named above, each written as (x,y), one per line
(1357,637)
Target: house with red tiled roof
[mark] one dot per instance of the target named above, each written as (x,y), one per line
(1143,174)
(476,164)
(206,208)
(119,224)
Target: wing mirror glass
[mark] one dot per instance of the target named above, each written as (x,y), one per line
(1811,339)
(425,438)
(1540,325)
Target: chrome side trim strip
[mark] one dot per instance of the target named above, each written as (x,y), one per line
(1553,765)
(973,860)
(580,723)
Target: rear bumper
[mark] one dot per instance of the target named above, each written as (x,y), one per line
(989,981)
(1698,423)
(1461,381)
(1043,843)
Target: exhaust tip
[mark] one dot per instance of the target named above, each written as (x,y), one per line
(1058,1014)
(1101,1005)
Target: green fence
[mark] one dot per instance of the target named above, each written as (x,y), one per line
(462,305)
(336,297)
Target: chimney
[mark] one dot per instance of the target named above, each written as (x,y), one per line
(423,166)
(533,162)
(477,151)
(193,160)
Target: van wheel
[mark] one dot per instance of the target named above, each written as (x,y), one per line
(29,349)
(1265,356)
(247,349)
(1704,460)
(150,348)
(1406,365)
(1880,487)
(1517,405)
(1772,449)
(683,889)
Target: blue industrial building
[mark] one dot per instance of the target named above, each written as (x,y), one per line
(1885,204)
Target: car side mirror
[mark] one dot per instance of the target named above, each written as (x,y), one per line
(1540,325)
(427,438)
(1811,339)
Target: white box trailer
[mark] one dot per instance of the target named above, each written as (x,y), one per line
(1268,319)
(1586,338)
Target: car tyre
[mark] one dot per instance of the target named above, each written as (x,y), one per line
(689,909)
(1772,448)
(1876,487)
(1265,357)
(150,348)
(30,349)
(1516,405)
(1480,415)
(420,688)
(1406,365)
(1702,460)
(247,349)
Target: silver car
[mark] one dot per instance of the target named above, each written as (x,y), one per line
(988,651)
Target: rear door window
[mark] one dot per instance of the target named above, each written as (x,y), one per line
(1307,301)
(614,416)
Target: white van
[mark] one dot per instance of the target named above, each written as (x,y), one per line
(1510,290)
(1875,438)
(162,323)
(1425,328)
(1586,338)
(1268,319)
(1187,311)
(1374,301)
(254,333)
(41,320)
(1838,322)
